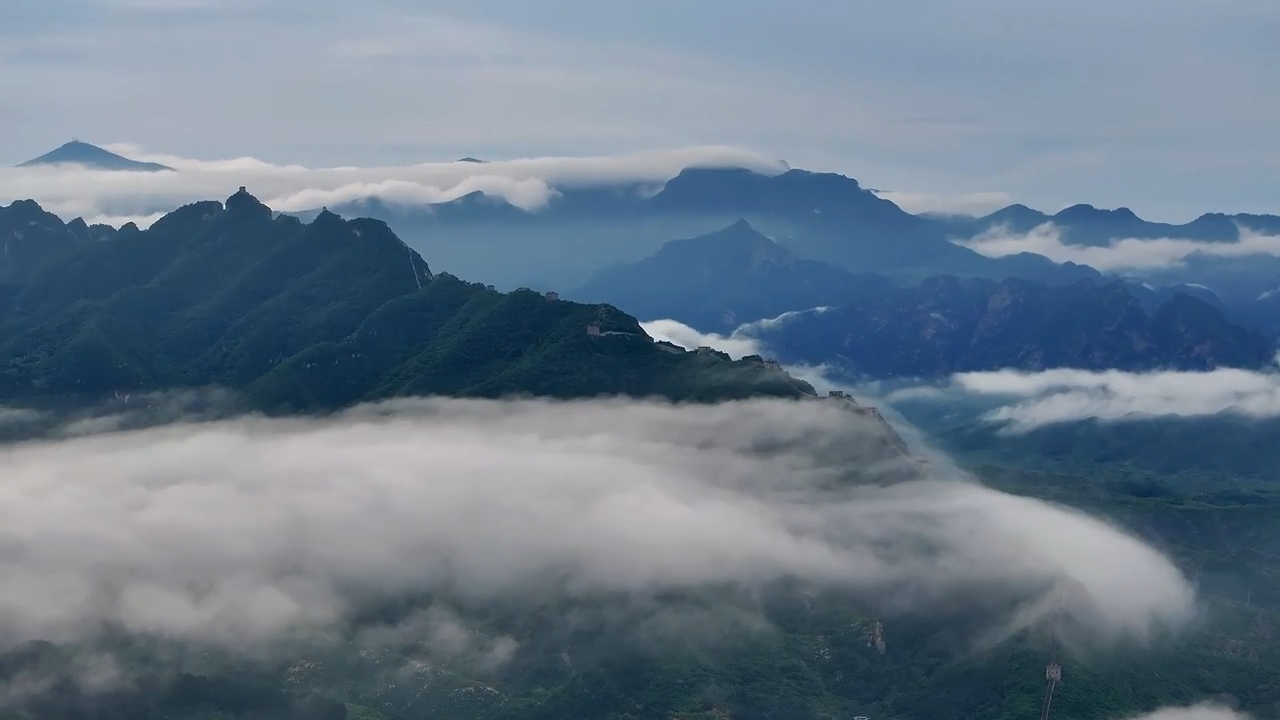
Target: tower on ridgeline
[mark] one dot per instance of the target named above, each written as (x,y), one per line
(1052,671)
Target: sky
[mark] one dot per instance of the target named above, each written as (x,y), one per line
(1164,106)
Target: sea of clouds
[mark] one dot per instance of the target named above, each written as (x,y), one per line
(245,529)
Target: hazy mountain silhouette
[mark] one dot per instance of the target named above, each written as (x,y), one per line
(92,157)
(721,280)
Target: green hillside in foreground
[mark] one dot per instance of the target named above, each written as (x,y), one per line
(302,317)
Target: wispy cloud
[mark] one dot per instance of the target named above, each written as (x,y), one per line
(742,342)
(673,331)
(1028,400)
(242,530)
(528,183)
(1121,254)
(979,203)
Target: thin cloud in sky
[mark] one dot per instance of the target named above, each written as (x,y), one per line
(1120,254)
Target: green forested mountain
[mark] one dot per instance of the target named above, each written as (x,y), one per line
(306,316)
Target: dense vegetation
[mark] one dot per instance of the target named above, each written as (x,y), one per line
(304,317)
(947,325)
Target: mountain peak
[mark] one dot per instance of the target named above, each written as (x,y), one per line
(92,157)
(1087,213)
(1018,215)
(242,203)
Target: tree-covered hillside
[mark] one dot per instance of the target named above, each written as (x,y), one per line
(948,324)
(306,316)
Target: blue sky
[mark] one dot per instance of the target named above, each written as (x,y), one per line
(1166,106)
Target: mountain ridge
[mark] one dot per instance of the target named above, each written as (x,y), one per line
(737,276)
(822,216)
(313,316)
(948,325)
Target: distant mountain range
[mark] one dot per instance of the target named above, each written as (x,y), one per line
(1088,225)
(875,328)
(948,325)
(300,317)
(92,157)
(819,216)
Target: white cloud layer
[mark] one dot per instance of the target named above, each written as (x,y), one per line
(742,342)
(529,183)
(1121,254)
(245,529)
(673,331)
(1028,400)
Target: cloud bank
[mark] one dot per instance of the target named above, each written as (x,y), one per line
(1029,400)
(1121,254)
(248,529)
(530,183)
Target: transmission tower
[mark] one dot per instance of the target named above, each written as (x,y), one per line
(1052,671)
